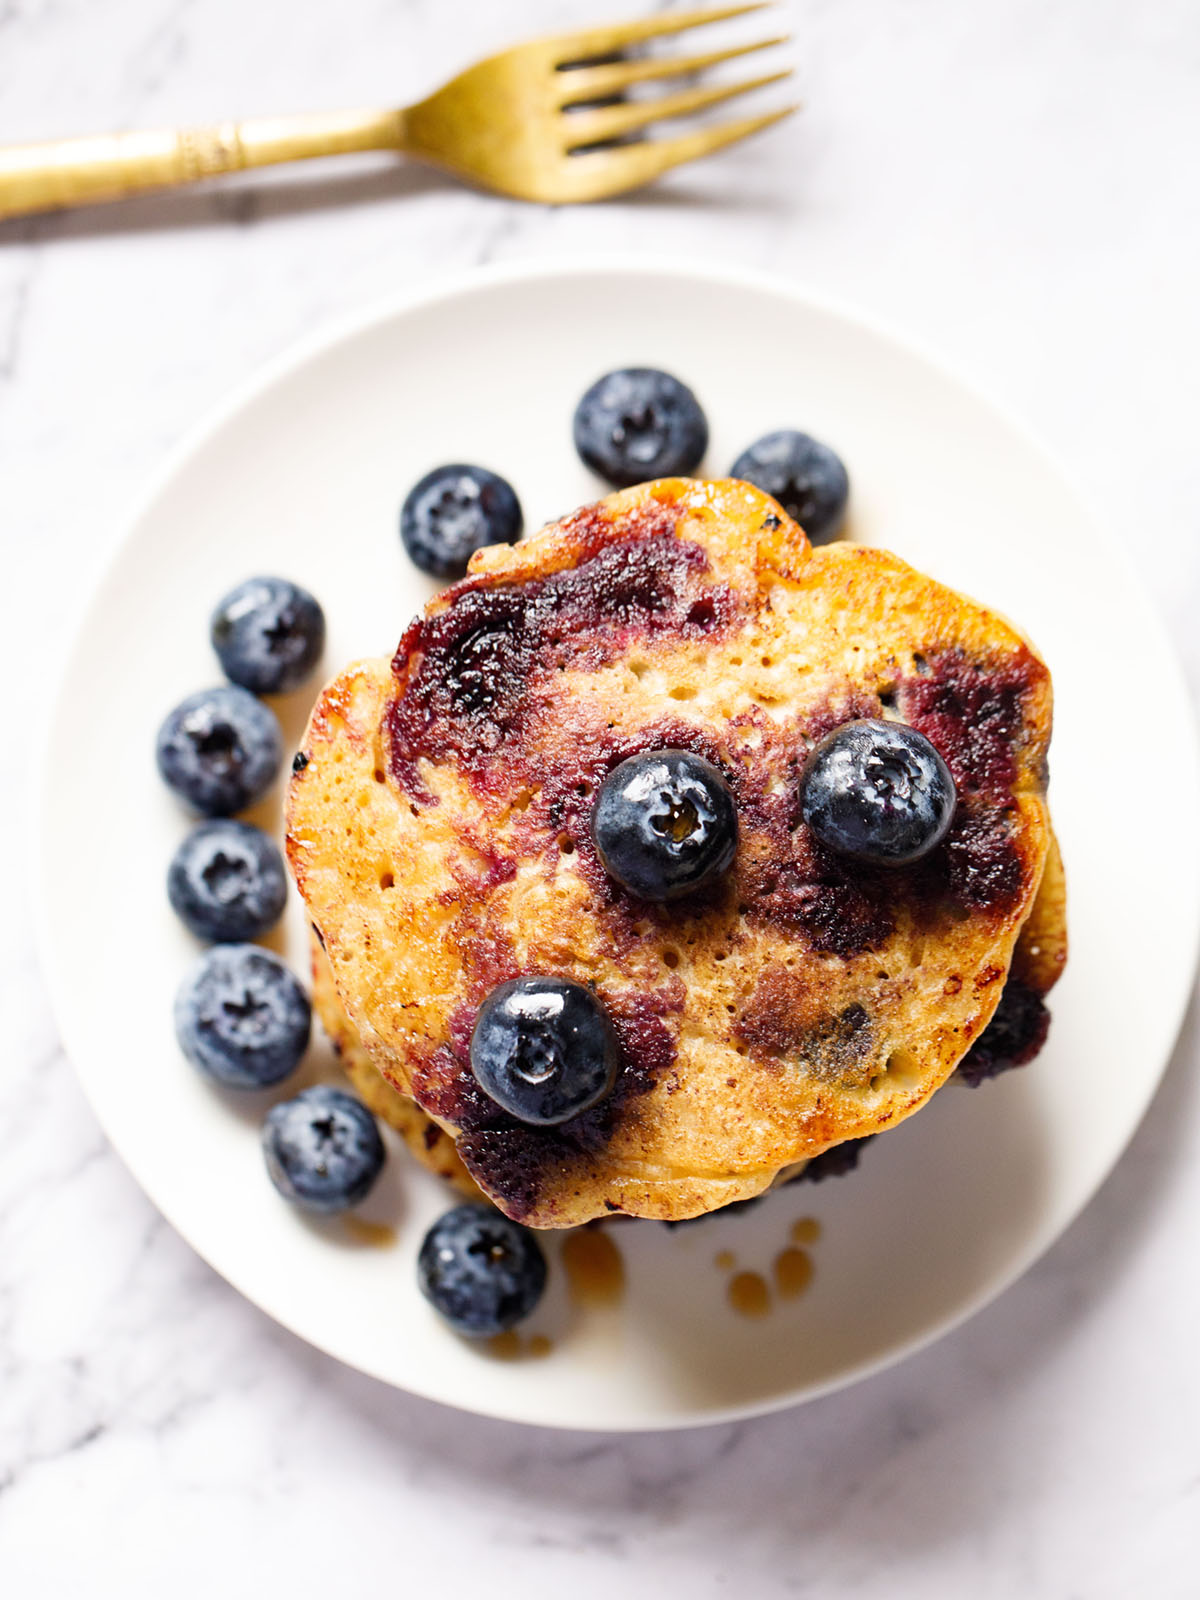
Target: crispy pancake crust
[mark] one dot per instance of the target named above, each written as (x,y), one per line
(438,830)
(1041,950)
(430,1145)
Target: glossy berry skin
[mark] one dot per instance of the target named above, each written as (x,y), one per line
(805,476)
(665,824)
(241,1018)
(877,792)
(323,1150)
(454,511)
(636,424)
(544,1049)
(268,634)
(480,1270)
(219,750)
(226,882)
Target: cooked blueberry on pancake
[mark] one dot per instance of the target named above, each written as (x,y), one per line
(441,833)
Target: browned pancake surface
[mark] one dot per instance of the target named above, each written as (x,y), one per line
(439,834)
(430,1144)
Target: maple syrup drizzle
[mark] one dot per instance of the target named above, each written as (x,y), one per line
(361,1231)
(595,1271)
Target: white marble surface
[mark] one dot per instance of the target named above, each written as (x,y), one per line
(1014,180)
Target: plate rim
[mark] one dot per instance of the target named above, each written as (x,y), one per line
(424,292)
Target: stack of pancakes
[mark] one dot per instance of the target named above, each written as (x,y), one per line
(438,829)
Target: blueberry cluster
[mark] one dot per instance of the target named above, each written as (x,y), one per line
(220,750)
(638,423)
(632,425)
(664,826)
(241,1017)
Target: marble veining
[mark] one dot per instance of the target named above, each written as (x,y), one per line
(1010,182)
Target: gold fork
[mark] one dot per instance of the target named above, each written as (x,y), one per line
(531,122)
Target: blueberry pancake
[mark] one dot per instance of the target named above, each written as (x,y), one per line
(1038,960)
(440,828)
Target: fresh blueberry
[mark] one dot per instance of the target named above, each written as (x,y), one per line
(1012,1038)
(268,634)
(241,1017)
(455,511)
(664,824)
(220,749)
(877,792)
(805,476)
(322,1149)
(227,882)
(544,1049)
(480,1270)
(637,424)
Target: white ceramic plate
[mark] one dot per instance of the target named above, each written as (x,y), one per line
(303,475)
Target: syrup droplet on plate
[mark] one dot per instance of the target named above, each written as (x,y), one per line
(595,1271)
(793,1272)
(749,1295)
(510,1346)
(361,1231)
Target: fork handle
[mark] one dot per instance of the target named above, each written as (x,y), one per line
(71,172)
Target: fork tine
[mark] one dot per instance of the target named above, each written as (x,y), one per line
(593,83)
(596,174)
(611,122)
(604,41)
